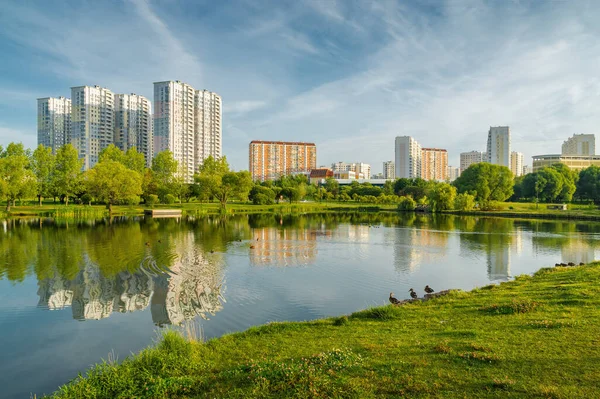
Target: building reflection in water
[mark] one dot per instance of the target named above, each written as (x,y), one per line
(576,251)
(278,247)
(414,246)
(191,287)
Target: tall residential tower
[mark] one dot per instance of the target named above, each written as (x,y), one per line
(54,122)
(498,146)
(580,144)
(133,124)
(471,157)
(434,164)
(517,161)
(408,157)
(269,160)
(92,122)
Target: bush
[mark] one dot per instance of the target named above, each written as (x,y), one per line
(262,199)
(152,199)
(170,199)
(407,204)
(86,199)
(464,202)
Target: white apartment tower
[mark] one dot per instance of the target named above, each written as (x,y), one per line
(208,130)
(92,122)
(517,161)
(498,146)
(389,171)
(471,157)
(188,123)
(408,157)
(174,123)
(362,168)
(580,144)
(453,173)
(54,122)
(133,124)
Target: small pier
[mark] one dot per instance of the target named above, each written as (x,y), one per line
(163,213)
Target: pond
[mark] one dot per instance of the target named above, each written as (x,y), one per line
(73,293)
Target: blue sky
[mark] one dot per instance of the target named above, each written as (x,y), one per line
(347,75)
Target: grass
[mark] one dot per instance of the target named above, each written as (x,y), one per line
(533,337)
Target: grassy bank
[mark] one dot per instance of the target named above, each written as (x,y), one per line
(534,337)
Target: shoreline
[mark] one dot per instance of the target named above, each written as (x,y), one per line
(494,340)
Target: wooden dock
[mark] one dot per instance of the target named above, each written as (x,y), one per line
(163,213)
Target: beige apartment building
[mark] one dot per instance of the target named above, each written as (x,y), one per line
(576,162)
(434,164)
(269,160)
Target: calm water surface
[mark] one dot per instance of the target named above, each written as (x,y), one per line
(71,293)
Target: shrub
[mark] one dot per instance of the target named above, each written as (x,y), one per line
(407,204)
(170,199)
(86,199)
(262,199)
(464,202)
(151,199)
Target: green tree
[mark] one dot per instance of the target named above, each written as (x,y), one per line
(464,202)
(388,187)
(332,186)
(407,204)
(18,181)
(549,184)
(486,182)
(67,176)
(42,165)
(112,182)
(164,168)
(135,160)
(113,153)
(588,185)
(442,197)
(221,182)
(569,182)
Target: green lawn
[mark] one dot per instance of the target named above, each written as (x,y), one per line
(534,337)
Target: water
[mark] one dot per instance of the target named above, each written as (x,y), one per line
(73,293)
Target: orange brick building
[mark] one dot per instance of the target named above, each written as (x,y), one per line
(270,160)
(434,164)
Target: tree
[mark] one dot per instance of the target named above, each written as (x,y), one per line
(569,182)
(164,168)
(135,160)
(442,197)
(67,172)
(464,202)
(388,187)
(42,165)
(112,182)
(17,179)
(549,184)
(332,186)
(487,182)
(221,182)
(588,186)
(407,204)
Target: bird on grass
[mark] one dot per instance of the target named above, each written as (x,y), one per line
(251,246)
(428,289)
(581,263)
(393,300)
(571,264)
(413,294)
(147,244)
(159,241)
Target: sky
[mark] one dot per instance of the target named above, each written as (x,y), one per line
(347,75)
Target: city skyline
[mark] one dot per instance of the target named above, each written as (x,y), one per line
(302,70)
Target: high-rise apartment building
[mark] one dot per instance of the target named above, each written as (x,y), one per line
(434,164)
(517,161)
(389,170)
(270,160)
(361,170)
(527,169)
(408,157)
(208,129)
(133,124)
(453,173)
(54,122)
(92,122)
(338,167)
(471,157)
(580,144)
(175,123)
(498,146)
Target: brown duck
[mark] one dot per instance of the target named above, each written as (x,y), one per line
(428,289)
(393,300)
(413,294)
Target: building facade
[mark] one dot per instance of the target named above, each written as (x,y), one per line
(471,157)
(576,162)
(498,146)
(434,164)
(361,170)
(389,170)
(453,173)
(92,122)
(269,160)
(408,157)
(517,161)
(527,170)
(580,144)
(208,129)
(174,123)
(54,122)
(133,124)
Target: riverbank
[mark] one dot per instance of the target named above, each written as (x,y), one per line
(531,337)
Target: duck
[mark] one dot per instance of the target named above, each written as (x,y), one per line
(581,263)
(563,264)
(413,294)
(251,246)
(147,244)
(393,301)
(428,289)
(212,251)
(159,240)
(557,264)
(571,264)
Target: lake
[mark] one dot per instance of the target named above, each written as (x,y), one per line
(73,293)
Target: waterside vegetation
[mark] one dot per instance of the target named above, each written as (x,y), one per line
(532,337)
